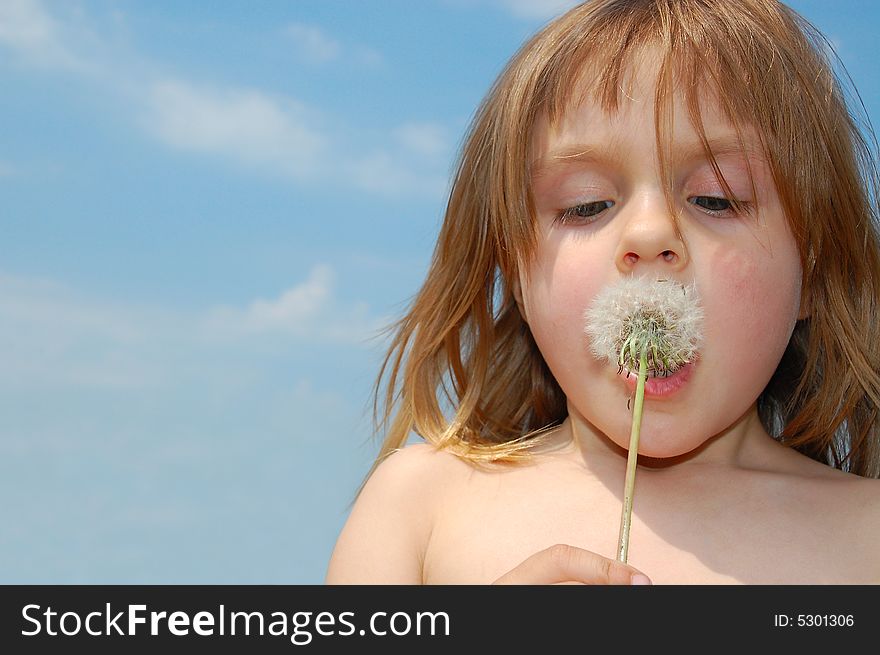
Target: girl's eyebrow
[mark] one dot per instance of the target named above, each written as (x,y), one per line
(577,153)
(584,153)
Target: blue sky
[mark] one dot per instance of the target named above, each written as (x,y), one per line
(206,208)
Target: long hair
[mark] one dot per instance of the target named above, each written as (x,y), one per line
(463,370)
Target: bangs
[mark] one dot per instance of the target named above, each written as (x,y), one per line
(702,44)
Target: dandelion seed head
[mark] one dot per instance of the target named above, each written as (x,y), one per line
(635,312)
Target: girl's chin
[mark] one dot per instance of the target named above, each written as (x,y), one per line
(663,452)
(661,446)
(663,435)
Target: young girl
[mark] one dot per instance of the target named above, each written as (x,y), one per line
(702,141)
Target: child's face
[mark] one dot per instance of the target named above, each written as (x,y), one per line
(604,170)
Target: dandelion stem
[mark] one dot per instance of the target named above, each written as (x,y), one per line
(632,456)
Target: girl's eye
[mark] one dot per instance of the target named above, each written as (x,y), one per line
(719,206)
(585,212)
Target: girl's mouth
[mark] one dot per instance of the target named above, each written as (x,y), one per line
(659,385)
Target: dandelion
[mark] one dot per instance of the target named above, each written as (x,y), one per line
(652,327)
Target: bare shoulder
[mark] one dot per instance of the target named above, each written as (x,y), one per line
(868,497)
(840,505)
(415,475)
(856,497)
(384,538)
(857,505)
(423,459)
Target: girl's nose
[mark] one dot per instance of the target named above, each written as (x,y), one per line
(651,241)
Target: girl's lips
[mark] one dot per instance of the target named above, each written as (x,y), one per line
(660,387)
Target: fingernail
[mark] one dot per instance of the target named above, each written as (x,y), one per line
(639,578)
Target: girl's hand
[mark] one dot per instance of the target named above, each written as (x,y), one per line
(561,564)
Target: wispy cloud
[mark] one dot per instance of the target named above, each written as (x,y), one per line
(308,311)
(52,336)
(286,138)
(274,134)
(35,37)
(295,306)
(314,45)
(430,139)
(386,173)
(244,124)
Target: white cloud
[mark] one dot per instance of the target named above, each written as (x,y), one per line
(32,34)
(307,310)
(294,311)
(285,138)
(423,138)
(244,124)
(51,336)
(314,45)
(295,305)
(367,57)
(37,303)
(275,135)
(384,173)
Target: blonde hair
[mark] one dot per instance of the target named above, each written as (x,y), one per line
(463,342)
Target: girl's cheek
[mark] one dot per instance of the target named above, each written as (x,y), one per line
(561,284)
(754,301)
(737,280)
(555,295)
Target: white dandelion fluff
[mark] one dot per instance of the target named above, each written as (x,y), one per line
(637,311)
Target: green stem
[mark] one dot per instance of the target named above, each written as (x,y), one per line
(632,456)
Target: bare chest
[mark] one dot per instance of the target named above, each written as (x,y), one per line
(694,533)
